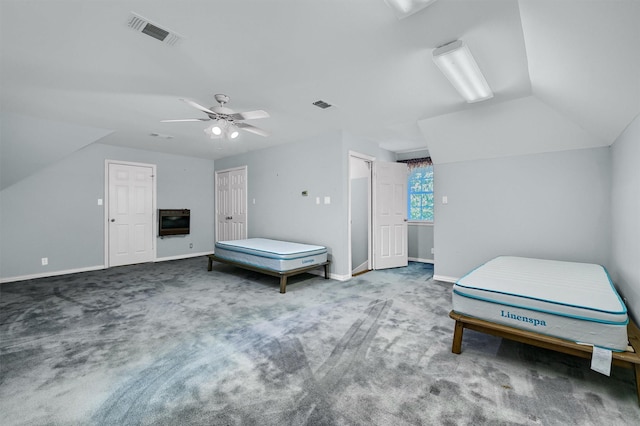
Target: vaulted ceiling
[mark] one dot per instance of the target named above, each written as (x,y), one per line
(566,74)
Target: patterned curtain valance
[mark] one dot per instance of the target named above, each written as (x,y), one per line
(417,162)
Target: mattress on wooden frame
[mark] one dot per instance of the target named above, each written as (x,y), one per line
(569,300)
(274,255)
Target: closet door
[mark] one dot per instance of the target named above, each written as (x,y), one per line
(231,204)
(130,219)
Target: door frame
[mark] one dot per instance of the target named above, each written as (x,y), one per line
(154,210)
(371,160)
(246,196)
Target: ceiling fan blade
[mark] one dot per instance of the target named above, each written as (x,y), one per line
(252,129)
(185,119)
(250,115)
(198,106)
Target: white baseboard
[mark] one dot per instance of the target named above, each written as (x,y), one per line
(50,274)
(361,268)
(320,273)
(182,256)
(417,259)
(338,277)
(88,269)
(445,278)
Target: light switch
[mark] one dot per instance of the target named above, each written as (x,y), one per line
(317,200)
(327,199)
(445,200)
(99,201)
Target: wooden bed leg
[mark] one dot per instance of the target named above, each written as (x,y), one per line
(636,367)
(210,266)
(283,284)
(456,348)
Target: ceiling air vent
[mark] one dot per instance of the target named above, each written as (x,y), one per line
(322,104)
(143,25)
(160,135)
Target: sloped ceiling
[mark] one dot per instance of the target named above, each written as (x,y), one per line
(567,68)
(585,61)
(29,144)
(584,67)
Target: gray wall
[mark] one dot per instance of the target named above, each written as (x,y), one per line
(359,221)
(278,175)
(420,239)
(54,213)
(625,202)
(553,205)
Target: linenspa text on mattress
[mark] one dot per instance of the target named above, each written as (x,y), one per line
(534,321)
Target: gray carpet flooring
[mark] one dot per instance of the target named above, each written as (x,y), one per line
(172,344)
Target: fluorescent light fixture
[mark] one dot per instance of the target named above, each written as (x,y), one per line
(457,64)
(404,8)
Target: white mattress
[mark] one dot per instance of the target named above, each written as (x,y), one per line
(270,254)
(573,301)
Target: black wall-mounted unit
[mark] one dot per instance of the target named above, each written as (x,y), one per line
(174,222)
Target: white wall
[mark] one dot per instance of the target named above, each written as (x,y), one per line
(552,205)
(625,202)
(54,213)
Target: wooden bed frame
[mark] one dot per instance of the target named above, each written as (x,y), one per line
(282,274)
(624,359)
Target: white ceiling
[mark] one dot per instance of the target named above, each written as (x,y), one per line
(566,73)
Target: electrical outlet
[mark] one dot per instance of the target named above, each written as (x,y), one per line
(432,250)
(45,261)
(190,245)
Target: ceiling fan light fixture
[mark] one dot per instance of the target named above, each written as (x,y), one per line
(233,132)
(226,123)
(457,64)
(214,132)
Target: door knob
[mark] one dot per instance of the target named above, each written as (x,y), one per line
(113,220)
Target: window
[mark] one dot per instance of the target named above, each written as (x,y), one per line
(420,189)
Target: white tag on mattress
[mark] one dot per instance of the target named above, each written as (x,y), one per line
(601,360)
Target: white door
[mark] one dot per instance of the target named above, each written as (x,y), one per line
(231,204)
(390,215)
(130,218)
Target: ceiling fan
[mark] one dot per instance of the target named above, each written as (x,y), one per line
(226,121)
